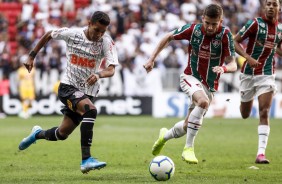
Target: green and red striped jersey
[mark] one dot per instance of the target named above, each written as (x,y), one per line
(205,52)
(264,37)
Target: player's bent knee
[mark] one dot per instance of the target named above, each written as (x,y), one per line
(263,113)
(92,113)
(245,116)
(203,103)
(245,113)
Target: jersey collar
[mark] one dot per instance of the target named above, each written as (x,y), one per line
(275,22)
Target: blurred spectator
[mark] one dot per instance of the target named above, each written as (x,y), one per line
(26,88)
(171,61)
(27,10)
(3,23)
(189,11)
(4,90)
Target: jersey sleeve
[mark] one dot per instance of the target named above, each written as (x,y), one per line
(228,44)
(61,34)
(248,29)
(110,52)
(184,32)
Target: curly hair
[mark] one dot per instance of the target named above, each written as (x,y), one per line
(100,17)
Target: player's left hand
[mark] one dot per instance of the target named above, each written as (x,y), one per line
(29,64)
(149,66)
(92,79)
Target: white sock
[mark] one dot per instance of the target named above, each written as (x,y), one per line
(194,124)
(263,133)
(176,131)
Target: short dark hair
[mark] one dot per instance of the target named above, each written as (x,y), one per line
(100,17)
(213,11)
(279,1)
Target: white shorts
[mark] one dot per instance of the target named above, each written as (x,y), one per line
(256,85)
(190,85)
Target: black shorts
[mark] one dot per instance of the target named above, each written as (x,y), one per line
(70,96)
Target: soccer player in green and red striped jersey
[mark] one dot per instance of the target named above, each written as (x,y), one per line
(257,74)
(210,45)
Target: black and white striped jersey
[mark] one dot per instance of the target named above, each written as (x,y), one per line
(85,57)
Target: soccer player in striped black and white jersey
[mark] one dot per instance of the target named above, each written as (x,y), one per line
(86,49)
(210,46)
(257,78)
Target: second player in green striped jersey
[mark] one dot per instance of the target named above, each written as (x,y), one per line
(264,35)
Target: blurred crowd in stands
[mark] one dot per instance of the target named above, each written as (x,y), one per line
(136,26)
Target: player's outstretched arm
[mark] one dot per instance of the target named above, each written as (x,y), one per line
(251,61)
(32,54)
(161,45)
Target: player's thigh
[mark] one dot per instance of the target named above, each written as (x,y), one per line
(197,92)
(200,98)
(266,88)
(246,107)
(75,100)
(84,105)
(265,100)
(190,85)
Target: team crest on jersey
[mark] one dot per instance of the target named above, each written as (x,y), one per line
(197,33)
(262,24)
(215,43)
(96,47)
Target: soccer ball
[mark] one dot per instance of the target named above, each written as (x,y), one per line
(162,168)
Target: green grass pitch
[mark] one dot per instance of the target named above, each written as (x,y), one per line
(226,148)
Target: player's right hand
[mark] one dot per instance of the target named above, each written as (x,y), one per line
(253,63)
(29,64)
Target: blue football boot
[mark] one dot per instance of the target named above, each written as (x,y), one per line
(91,164)
(27,141)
